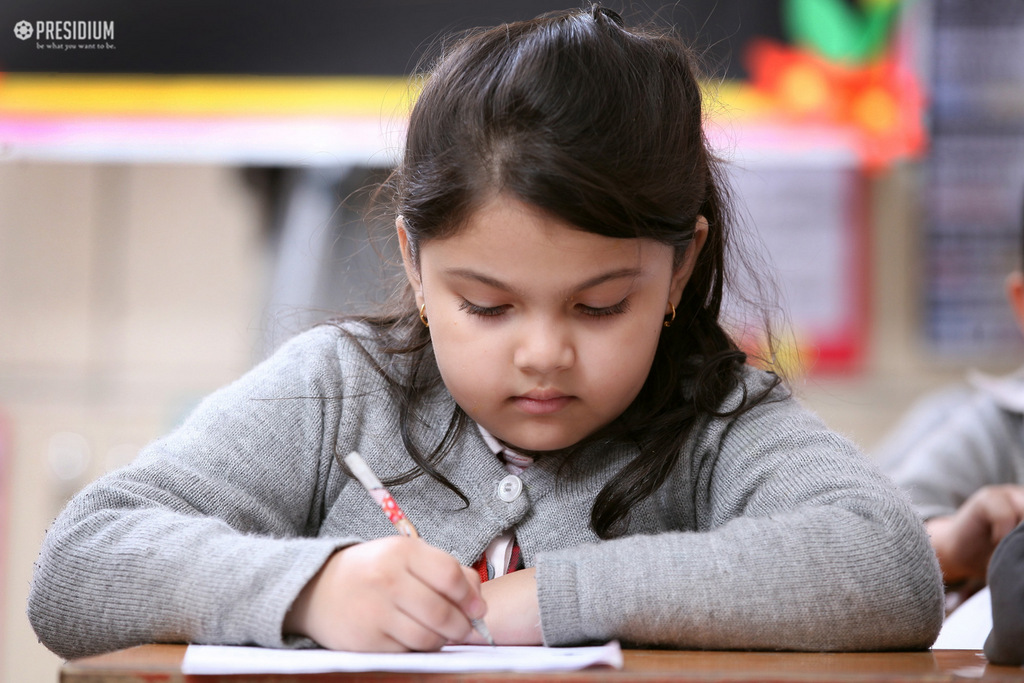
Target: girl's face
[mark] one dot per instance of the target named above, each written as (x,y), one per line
(544,333)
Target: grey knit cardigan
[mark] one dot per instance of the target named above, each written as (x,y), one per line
(772,532)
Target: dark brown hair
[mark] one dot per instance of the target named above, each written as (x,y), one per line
(599,125)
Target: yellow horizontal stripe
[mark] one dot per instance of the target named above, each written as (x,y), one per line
(146,95)
(736,100)
(149,95)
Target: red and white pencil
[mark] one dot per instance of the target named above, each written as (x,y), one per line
(372,484)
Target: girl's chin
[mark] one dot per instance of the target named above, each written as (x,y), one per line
(537,445)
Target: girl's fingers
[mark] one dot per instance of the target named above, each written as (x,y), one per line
(409,634)
(388,595)
(443,574)
(432,612)
(373,641)
(476,608)
(432,595)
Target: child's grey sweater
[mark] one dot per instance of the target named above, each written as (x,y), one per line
(957,441)
(773,532)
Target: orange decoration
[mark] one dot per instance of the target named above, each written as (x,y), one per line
(880,102)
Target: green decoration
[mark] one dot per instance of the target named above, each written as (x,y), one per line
(837,31)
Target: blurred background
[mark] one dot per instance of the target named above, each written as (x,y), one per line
(180,190)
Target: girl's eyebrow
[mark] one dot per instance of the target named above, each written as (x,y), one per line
(469,274)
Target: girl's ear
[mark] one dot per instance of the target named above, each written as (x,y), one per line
(1015,295)
(412,272)
(685,269)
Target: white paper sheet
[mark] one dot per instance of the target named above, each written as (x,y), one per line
(217,659)
(969,624)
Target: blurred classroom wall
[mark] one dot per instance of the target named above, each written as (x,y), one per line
(126,293)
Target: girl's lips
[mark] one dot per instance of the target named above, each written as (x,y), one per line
(541,406)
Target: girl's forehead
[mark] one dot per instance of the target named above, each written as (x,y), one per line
(505,220)
(508,237)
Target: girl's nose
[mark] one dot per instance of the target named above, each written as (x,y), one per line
(544,348)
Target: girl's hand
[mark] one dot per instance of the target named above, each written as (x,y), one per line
(513,614)
(965,540)
(388,595)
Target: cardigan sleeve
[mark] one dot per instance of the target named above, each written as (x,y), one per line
(975,446)
(209,535)
(800,544)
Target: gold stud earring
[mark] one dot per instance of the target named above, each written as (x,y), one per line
(423,315)
(671,315)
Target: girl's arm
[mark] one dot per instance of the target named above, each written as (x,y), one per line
(513,615)
(207,536)
(799,544)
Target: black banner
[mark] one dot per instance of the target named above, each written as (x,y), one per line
(313,37)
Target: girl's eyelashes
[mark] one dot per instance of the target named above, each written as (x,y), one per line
(598,312)
(483,311)
(592,311)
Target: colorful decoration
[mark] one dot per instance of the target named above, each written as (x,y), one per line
(837,31)
(840,71)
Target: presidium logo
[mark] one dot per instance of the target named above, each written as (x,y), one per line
(67,35)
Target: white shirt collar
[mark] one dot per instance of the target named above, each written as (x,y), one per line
(1007,392)
(515,462)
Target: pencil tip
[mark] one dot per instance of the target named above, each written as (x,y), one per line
(482,629)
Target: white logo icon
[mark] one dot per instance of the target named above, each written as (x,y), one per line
(23,30)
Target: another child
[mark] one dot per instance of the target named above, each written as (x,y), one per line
(563,227)
(960,456)
(959,453)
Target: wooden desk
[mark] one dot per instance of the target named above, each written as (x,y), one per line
(162,663)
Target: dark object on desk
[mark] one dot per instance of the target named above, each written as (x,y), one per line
(1005,645)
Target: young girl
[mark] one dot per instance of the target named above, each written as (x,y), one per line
(556,397)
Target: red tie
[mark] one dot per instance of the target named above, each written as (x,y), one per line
(513,564)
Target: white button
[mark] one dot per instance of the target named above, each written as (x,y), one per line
(509,488)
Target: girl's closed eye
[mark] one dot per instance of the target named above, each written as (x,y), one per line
(602,311)
(590,311)
(482,311)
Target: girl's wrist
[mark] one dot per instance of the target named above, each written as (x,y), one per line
(296,620)
(513,611)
